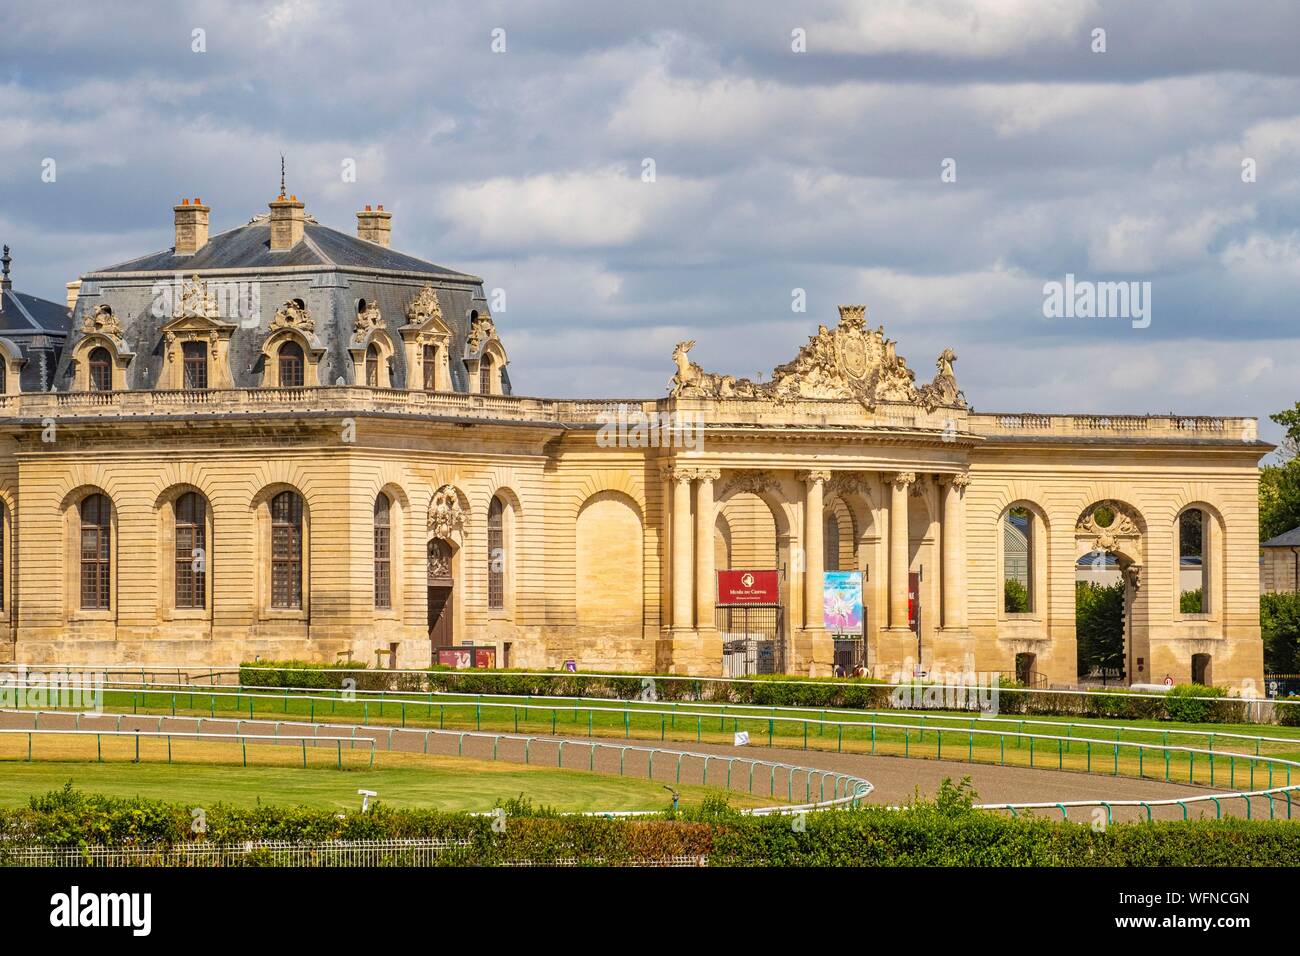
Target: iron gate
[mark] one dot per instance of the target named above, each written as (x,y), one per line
(850,653)
(752,642)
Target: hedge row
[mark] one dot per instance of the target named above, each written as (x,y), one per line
(767,690)
(944,832)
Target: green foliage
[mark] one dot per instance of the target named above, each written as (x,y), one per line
(1279,619)
(1279,485)
(1289,716)
(945,831)
(304,674)
(1099,624)
(1189,602)
(1186,702)
(1099,640)
(1015,597)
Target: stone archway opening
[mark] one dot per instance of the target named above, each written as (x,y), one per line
(1109,628)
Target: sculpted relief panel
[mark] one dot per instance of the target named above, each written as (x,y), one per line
(851,361)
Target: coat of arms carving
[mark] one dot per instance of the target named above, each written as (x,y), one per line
(851,361)
(446,516)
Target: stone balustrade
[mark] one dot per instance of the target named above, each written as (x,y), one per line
(733,412)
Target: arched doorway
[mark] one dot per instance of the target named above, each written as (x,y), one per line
(1111,532)
(441,592)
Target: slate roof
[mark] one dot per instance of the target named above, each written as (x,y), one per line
(249,247)
(1287,539)
(329,271)
(27,315)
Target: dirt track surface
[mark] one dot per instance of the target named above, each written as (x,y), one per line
(895,779)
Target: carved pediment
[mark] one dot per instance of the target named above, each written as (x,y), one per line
(850,361)
(425,322)
(192,326)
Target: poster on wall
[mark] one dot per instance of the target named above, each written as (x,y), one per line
(842,597)
(748,587)
(456,657)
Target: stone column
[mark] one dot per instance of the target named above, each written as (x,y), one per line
(683,592)
(900,487)
(813,546)
(954,551)
(705,516)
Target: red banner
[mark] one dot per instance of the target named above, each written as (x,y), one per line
(749,587)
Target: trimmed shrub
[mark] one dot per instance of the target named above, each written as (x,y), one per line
(1186,703)
(941,832)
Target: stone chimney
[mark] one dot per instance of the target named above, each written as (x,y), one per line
(74,290)
(191,226)
(375,225)
(287,223)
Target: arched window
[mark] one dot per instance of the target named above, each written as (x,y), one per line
(831,544)
(286,550)
(1018,561)
(430,365)
(485,376)
(1193,593)
(291,364)
(372,366)
(496,555)
(383,552)
(191,554)
(96,551)
(195,360)
(100,366)
(3,379)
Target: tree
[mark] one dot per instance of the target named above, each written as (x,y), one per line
(1015,597)
(1279,616)
(1099,624)
(1279,485)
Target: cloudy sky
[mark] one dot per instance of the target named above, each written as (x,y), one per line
(795,146)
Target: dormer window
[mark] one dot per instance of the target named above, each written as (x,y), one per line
(195,359)
(100,367)
(290,362)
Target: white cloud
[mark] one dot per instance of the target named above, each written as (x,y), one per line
(959,28)
(609,206)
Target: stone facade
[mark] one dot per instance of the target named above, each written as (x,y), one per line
(589,531)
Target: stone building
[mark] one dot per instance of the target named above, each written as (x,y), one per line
(283,441)
(1279,567)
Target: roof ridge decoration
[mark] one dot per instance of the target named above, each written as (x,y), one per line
(852,361)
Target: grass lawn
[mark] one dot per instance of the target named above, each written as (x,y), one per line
(408,780)
(967,738)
